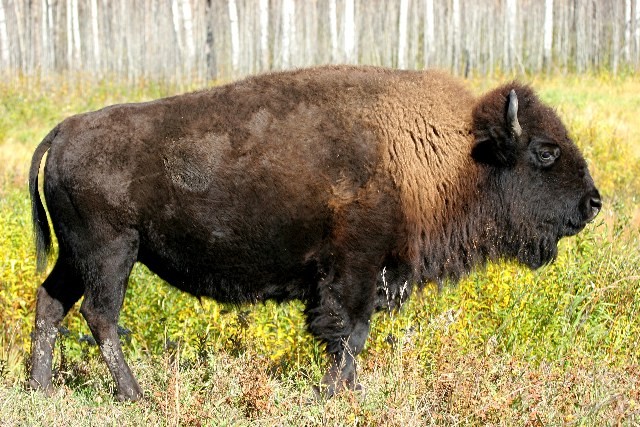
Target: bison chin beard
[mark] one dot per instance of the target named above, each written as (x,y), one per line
(539,252)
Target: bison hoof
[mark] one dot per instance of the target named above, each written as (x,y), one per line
(35,385)
(129,395)
(324,392)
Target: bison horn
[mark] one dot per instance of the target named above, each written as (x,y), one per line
(512,114)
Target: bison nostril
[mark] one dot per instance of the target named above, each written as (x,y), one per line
(595,204)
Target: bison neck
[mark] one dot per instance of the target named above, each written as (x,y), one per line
(467,240)
(460,229)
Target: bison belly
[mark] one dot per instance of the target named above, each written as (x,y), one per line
(247,243)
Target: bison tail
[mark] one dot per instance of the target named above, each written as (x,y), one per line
(41,230)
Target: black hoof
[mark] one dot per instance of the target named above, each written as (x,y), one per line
(325,391)
(130,395)
(37,386)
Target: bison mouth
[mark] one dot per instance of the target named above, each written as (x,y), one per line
(572,228)
(543,249)
(588,208)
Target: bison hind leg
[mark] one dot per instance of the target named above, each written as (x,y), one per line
(55,297)
(106,273)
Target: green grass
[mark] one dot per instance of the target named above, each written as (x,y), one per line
(507,346)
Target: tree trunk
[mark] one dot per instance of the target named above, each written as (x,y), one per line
(615,55)
(510,39)
(626,46)
(77,44)
(333,30)
(69,36)
(402,33)
(264,35)
(349,32)
(20,55)
(187,19)
(45,55)
(95,35)
(455,36)
(177,29)
(235,36)
(211,70)
(429,34)
(548,35)
(4,39)
(288,32)
(636,33)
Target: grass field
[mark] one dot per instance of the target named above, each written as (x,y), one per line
(507,346)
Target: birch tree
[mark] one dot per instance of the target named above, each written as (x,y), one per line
(211,71)
(510,40)
(455,43)
(4,37)
(190,46)
(548,34)
(402,33)
(177,29)
(429,33)
(75,30)
(333,29)
(310,32)
(44,35)
(69,35)
(615,56)
(228,38)
(235,35)
(264,34)
(349,31)
(637,32)
(95,34)
(626,49)
(21,35)
(580,36)
(288,31)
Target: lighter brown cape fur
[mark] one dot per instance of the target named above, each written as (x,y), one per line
(425,124)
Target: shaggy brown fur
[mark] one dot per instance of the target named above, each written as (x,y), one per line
(341,186)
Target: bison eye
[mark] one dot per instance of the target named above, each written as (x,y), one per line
(545,153)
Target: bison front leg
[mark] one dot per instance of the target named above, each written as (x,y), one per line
(342,362)
(340,317)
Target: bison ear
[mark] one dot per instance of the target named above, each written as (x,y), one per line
(497,146)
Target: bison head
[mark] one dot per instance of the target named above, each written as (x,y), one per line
(542,183)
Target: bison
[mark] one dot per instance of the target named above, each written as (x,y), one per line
(341,186)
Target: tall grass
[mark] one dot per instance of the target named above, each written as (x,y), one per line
(507,346)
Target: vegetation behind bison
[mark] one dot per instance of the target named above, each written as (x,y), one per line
(340,186)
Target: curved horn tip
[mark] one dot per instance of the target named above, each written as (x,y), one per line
(512,113)
(513,100)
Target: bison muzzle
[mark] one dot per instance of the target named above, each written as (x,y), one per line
(344,187)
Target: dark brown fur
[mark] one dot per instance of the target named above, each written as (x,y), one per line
(339,186)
